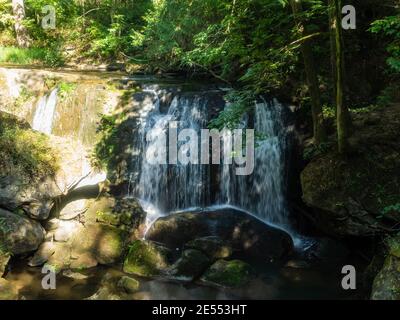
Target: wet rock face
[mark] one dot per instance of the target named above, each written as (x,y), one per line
(19,234)
(246,234)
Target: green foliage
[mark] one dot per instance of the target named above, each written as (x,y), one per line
(25,150)
(26,56)
(105,148)
(394,208)
(390,27)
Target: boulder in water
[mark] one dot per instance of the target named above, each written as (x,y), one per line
(189,266)
(247,234)
(147,259)
(230,274)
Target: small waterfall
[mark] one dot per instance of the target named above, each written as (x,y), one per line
(261,193)
(176,187)
(44,114)
(169,187)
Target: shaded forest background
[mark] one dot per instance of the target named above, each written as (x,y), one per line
(281,47)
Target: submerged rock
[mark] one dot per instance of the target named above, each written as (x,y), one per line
(147,259)
(247,234)
(19,234)
(231,274)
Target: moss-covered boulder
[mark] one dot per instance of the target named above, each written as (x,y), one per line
(147,259)
(19,234)
(386,285)
(230,274)
(358,195)
(125,213)
(212,246)
(128,284)
(189,266)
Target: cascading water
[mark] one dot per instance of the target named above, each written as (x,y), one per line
(169,187)
(166,188)
(261,193)
(44,114)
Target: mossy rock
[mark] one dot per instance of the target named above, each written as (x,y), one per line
(19,234)
(129,284)
(7,290)
(104,243)
(230,274)
(116,211)
(4,259)
(147,259)
(189,266)
(386,285)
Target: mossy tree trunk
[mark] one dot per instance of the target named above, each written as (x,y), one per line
(311,74)
(22,36)
(342,113)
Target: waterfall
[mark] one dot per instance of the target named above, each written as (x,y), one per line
(169,187)
(176,187)
(261,193)
(44,114)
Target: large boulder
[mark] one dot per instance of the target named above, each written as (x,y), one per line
(245,233)
(212,246)
(32,184)
(106,244)
(358,195)
(19,234)
(125,213)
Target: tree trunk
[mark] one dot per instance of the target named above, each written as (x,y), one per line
(311,74)
(342,112)
(21,33)
(332,40)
